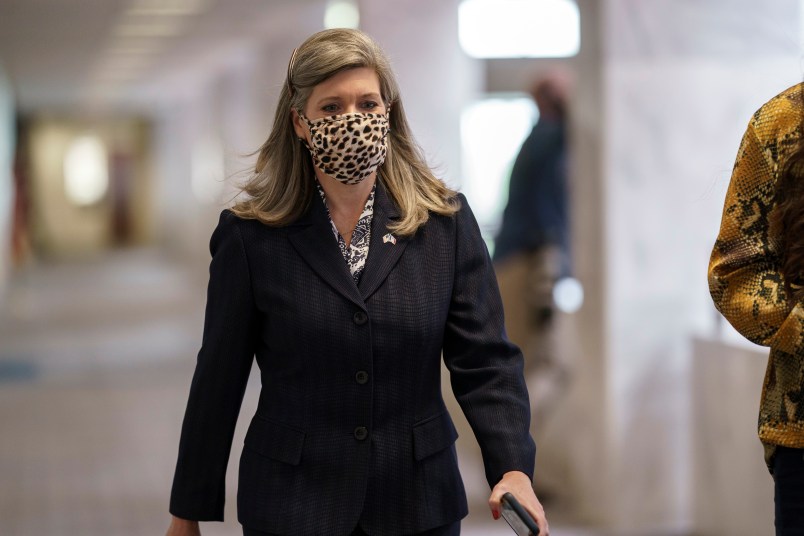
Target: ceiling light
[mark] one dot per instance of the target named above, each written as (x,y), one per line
(519,28)
(86,171)
(166,7)
(137,48)
(116,76)
(159,28)
(123,63)
(342,14)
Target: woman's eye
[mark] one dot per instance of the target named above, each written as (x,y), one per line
(370,105)
(330,108)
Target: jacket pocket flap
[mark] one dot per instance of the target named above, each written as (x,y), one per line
(433,435)
(275,440)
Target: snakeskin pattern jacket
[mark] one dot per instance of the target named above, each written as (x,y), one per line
(744,270)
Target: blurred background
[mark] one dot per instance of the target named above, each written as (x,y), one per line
(126,126)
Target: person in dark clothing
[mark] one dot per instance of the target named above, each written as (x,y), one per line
(532,248)
(536,215)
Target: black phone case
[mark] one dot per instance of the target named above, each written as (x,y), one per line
(517,517)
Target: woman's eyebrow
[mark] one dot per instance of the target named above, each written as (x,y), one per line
(322,100)
(331,98)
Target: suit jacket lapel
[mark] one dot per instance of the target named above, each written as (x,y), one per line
(316,244)
(383,253)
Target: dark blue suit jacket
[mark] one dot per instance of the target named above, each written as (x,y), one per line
(351,426)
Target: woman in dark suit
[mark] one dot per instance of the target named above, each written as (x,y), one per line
(348,271)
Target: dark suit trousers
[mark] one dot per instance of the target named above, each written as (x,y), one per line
(788,477)
(447,530)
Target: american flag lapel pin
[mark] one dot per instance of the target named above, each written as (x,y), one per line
(389,238)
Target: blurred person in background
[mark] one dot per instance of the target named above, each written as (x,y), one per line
(756,278)
(348,270)
(532,248)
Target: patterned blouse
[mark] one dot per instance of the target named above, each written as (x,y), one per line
(356,253)
(744,273)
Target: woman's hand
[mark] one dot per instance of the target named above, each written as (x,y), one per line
(183,527)
(518,484)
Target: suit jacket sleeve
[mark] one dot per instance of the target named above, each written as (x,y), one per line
(219,382)
(486,369)
(744,273)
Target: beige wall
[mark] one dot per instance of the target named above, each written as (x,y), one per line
(60,228)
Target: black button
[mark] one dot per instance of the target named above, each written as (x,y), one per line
(361,433)
(361,377)
(360,318)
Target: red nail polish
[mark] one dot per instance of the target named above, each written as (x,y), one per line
(495,514)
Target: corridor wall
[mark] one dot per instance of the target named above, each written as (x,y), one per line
(680,82)
(7,144)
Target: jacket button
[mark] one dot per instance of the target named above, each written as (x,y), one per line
(361,433)
(360,318)
(361,377)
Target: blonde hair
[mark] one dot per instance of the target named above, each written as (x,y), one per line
(282,186)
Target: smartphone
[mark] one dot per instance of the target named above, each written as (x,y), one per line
(516,516)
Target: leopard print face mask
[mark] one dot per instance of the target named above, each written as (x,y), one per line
(348,147)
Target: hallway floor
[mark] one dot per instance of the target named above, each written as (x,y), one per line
(95,362)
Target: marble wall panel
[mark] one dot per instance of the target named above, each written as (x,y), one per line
(732,490)
(738,29)
(682,79)
(673,130)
